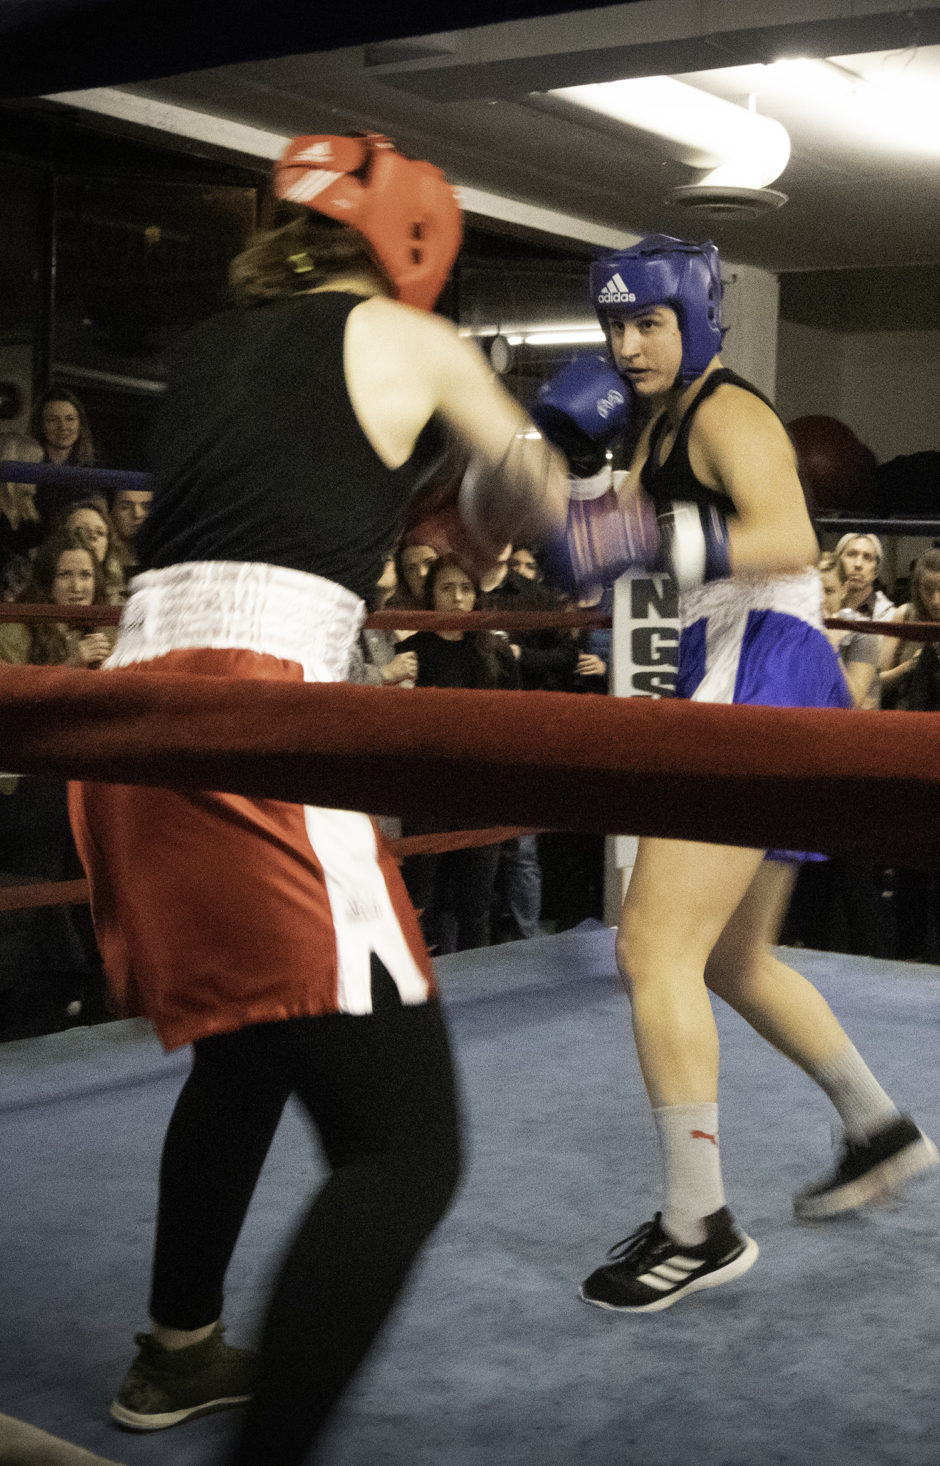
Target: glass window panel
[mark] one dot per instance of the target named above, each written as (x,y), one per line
(21,275)
(138,261)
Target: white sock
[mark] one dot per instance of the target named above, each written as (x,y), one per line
(862,1103)
(688,1137)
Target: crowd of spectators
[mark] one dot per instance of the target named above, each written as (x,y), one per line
(469,898)
(74,549)
(846,906)
(59,547)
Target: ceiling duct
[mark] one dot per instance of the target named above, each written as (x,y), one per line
(737,150)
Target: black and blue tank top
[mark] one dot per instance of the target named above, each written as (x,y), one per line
(672,480)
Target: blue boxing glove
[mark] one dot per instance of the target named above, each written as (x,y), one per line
(603,539)
(582,410)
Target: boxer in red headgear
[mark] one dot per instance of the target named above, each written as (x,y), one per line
(295,434)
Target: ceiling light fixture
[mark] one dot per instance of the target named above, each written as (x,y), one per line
(587,337)
(887,110)
(736,147)
(577,333)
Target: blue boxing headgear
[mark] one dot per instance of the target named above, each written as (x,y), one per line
(661,270)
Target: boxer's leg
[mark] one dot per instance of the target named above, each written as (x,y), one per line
(681,896)
(380,1090)
(219,1135)
(778,1002)
(216,1143)
(883,1148)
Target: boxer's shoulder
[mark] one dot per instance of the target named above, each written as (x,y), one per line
(403,324)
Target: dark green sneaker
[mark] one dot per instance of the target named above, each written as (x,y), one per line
(164,1387)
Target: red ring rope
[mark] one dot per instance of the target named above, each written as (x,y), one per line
(755,776)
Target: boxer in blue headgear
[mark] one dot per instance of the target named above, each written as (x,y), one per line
(712,494)
(661,271)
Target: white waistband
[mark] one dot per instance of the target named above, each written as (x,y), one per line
(726,600)
(260,608)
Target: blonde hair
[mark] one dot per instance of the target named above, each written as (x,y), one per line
(17,501)
(301,251)
(860,534)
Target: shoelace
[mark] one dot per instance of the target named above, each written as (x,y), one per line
(633,1246)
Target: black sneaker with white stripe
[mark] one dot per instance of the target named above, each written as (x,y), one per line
(869,1170)
(649,1271)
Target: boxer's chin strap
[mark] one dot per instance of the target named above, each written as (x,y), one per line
(696,538)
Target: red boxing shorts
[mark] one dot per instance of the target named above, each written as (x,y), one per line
(215,911)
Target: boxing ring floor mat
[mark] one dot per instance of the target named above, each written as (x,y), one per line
(826,1351)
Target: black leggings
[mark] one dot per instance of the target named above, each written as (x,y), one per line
(380,1091)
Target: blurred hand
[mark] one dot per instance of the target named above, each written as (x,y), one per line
(401,668)
(92,649)
(590,666)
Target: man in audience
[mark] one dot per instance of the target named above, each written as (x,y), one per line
(129,509)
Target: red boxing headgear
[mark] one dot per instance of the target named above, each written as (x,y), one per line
(405,209)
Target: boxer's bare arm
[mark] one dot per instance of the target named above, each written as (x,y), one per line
(738,446)
(403,366)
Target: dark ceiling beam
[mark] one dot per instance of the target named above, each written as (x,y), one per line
(657,39)
(67,45)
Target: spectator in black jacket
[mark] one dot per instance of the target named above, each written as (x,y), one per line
(547,661)
(916,688)
(453,892)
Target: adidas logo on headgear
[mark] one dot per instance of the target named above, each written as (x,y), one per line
(616,292)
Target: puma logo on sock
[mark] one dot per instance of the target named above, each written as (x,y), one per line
(703,1135)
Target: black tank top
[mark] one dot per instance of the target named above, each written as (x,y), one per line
(258,455)
(672,481)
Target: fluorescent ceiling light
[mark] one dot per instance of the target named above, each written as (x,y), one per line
(738,147)
(564,338)
(577,333)
(888,109)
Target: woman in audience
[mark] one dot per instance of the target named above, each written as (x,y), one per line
(20,525)
(913,685)
(60,424)
(65,573)
(454,891)
(375,661)
(89,520)
(906,682)
(51,965)
(413,560)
